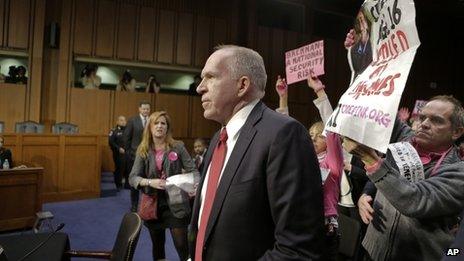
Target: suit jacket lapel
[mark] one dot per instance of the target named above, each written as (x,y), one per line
(140,122)
(247,134)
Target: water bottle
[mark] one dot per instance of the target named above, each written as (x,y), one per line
(6,164)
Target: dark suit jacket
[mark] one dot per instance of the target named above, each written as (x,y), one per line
(133,135)
(268,204)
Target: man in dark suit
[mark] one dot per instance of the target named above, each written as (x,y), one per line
(260,197)
(132,138)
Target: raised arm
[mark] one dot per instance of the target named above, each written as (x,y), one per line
(282,91)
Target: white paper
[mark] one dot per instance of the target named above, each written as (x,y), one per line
(186,182)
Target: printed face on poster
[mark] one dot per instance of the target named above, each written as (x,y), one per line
(300,61)
(367,110)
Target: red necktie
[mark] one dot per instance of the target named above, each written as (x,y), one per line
(217,163)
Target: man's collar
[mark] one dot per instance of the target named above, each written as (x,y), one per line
(238,120)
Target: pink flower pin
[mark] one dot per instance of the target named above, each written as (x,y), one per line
(172,156)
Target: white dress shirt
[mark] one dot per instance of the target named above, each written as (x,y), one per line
(233,128)
(144,120)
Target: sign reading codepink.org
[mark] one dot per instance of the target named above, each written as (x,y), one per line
(382,54)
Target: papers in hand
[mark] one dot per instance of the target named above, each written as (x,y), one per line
(186,182)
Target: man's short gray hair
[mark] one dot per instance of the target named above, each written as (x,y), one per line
(246,62)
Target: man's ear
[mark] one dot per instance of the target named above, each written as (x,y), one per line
(244,86)
(457,133)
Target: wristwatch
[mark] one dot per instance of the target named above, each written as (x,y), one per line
(149,182)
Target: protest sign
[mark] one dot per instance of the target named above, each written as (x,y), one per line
(300,61)
(418,107)
(366,112)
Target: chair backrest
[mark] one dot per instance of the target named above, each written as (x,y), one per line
(65,128)
(128,236)
(2,125)
(29,127)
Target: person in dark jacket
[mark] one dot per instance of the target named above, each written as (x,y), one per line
(132,137)
(116,142)
(159,157)
(415,209)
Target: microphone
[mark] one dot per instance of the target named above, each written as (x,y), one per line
(60,226)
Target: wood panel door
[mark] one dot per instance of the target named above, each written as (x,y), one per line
(147,31)
(126,31)
(184,39)
(83,26)
(106,14)
(166,37)
(18,26)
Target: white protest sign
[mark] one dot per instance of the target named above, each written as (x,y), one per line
(366,112)
(300,61)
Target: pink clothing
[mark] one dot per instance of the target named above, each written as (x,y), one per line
(159,156)
(333,161)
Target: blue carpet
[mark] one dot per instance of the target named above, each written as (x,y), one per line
(93,224)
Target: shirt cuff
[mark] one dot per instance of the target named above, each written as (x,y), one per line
(374,167)
(282,110)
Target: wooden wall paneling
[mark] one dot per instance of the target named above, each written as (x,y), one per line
(202,40)
(166,36)
(177,108)
(263,48)
(44,151)
(106,16)
(19,23)
(3,22)
(184,39)
(33,105)
(83,26)
(127,31)
(127,104)
(107,163)
(81,155)
(90,110)
(277,63)
(220,32)
(306,114)
(201,127)
(146,35)
(12,104)
(64,63)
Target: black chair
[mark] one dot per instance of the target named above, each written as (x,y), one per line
(29,127)
(126,241)
(65,128)
(2,126)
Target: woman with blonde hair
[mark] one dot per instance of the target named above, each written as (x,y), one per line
(158,157)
